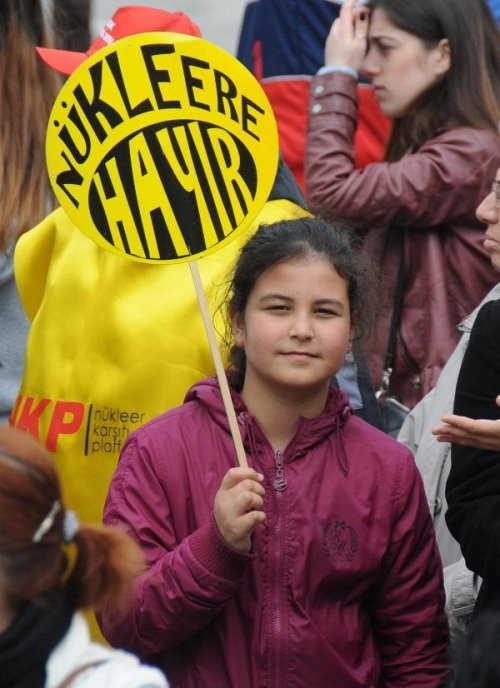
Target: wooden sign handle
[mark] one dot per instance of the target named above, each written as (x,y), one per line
(219,368)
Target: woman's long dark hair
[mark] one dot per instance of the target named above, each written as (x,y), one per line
(469,94)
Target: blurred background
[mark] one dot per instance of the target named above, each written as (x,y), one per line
(219,20)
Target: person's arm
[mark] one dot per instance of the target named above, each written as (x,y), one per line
(473,487)
(423,189)
(189,579)
(408,614)
(469,432)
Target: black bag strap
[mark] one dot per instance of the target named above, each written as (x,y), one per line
(393,331)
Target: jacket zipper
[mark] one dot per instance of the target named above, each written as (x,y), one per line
(277,642)
(279,485)
(279,482)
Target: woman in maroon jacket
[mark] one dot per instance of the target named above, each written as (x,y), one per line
(315,566)
(435,67)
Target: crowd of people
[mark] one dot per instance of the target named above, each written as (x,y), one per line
(338,554)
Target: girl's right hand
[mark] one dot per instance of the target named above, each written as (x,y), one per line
(348,38)
(238,504)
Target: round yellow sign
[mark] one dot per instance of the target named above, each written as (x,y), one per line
(162,147)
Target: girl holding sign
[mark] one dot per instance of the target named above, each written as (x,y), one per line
(317,565)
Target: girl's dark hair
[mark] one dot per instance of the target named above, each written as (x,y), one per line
(469,93)
(106,558)
(289,239)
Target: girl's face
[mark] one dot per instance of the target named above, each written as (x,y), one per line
(489,213)
(400,65)
(296,328)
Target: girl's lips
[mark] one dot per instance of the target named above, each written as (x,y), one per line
(300,354)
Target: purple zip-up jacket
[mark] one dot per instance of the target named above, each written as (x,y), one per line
(343,584)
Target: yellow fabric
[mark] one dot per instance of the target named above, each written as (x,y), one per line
(112,344)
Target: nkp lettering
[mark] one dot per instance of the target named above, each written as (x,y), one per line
(63,417)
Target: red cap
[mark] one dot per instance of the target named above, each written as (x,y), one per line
(126,21)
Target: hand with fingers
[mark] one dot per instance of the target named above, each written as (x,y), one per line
(238,506)
(469,432)
(348,38)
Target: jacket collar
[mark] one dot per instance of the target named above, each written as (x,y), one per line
(27,643)
(468,322)
(308,433)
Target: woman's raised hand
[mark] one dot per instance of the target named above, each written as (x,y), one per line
(348,38)
(238,506)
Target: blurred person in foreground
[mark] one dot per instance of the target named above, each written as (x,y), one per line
(50,567)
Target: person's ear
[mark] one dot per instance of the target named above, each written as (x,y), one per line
(238,328)
(442,57)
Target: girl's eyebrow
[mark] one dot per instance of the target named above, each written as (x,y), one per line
(331,302)
(267,297)
(318,302)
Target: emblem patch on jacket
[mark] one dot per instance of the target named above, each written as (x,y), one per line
(340,541)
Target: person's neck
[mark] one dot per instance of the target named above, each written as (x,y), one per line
(277,412)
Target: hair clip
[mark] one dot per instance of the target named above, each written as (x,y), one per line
(47,522)
(71,526)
